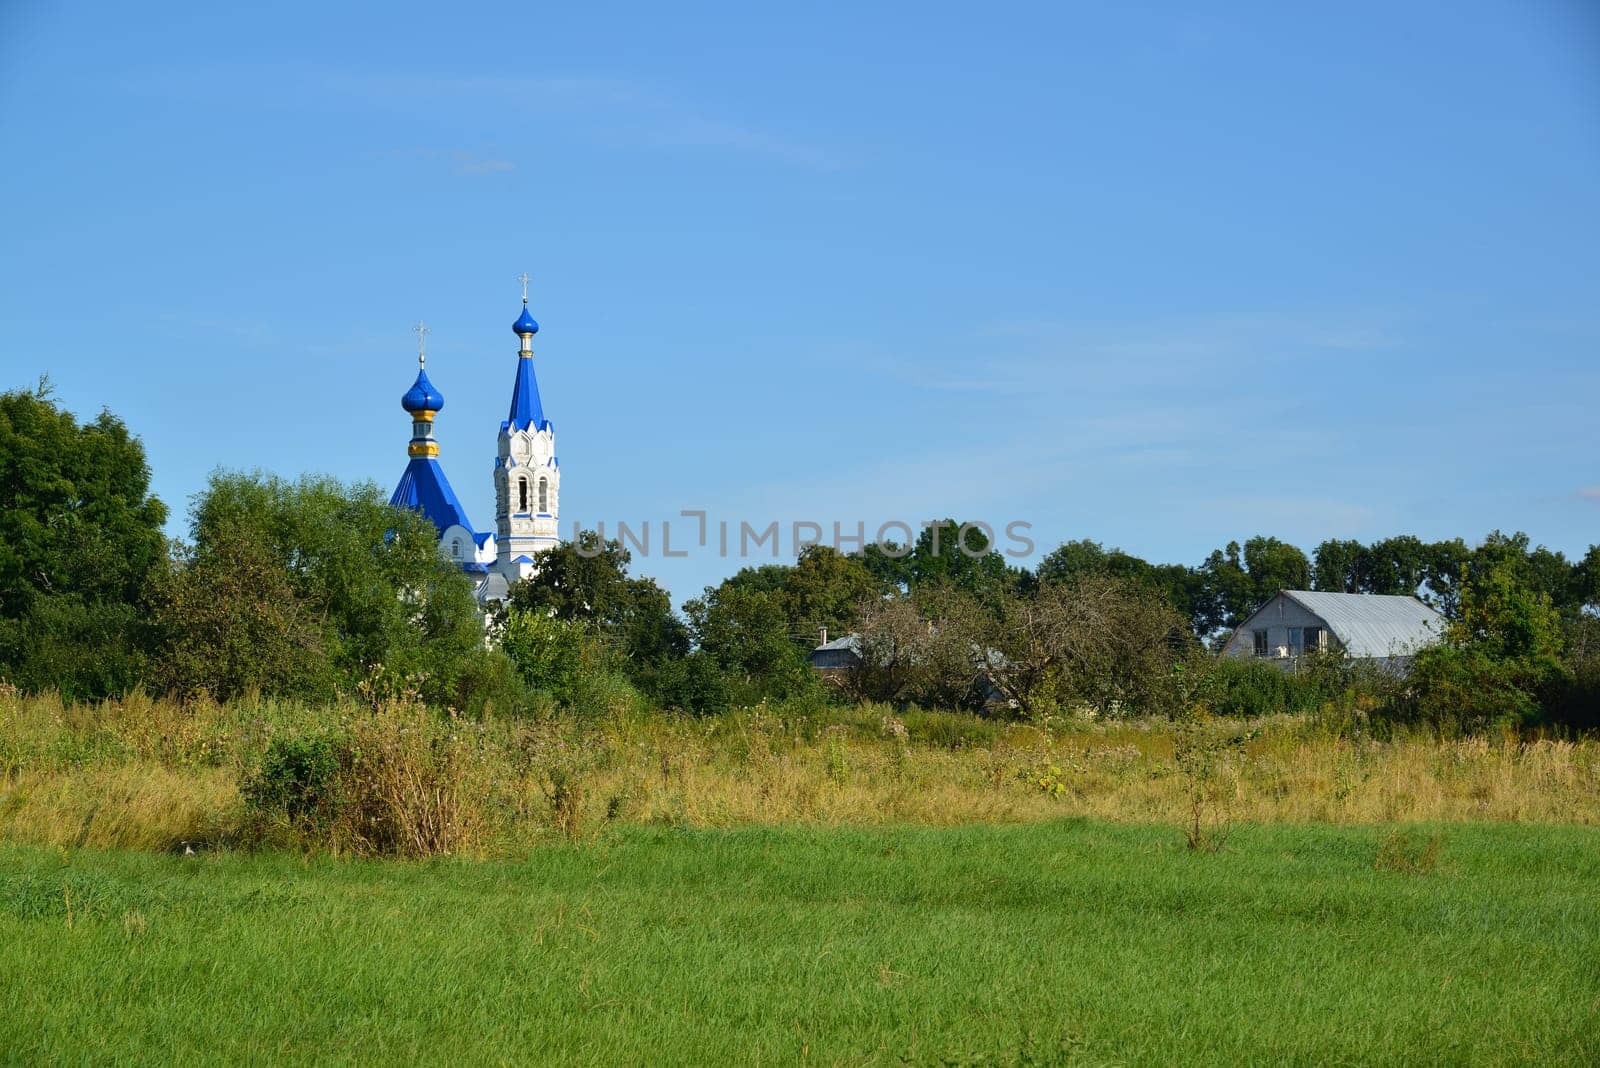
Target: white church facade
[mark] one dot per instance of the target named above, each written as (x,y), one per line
(527,478)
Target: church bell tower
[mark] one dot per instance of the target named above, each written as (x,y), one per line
(527,476)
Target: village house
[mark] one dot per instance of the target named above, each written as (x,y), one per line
(1364,626)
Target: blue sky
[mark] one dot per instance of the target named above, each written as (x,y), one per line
(1158,277)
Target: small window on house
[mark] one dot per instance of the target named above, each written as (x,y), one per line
(1262,648)
(1315,639)
(544,495)
(522,495)
(455,548)
(1297,641)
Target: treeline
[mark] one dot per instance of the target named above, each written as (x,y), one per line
(1230,583)
(1088,629)
(311,588)
(296,588)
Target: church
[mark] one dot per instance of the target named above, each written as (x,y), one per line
(527,477)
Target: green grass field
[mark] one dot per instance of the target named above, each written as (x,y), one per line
(1057,942)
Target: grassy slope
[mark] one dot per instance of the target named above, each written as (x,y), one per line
(1047,941)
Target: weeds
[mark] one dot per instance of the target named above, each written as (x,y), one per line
(1046,778)
(1208,764)
(389,776)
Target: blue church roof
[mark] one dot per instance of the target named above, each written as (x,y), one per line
(423,488)
(422,397)
(526,411)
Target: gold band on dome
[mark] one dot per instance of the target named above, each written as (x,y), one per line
(424,416)
(423,448)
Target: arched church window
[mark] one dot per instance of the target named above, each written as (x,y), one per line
(544,495)
(522,495)
(455,548)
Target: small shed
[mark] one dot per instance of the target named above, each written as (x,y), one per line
(841,654)
(1365,626)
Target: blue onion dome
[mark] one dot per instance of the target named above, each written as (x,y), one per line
(525,323)
(422,397)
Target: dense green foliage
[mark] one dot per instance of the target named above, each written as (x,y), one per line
(1058,942)
(1500,661)
(311,588)
(80,537)
(588,582)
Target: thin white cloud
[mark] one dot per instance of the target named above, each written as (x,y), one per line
(693,131)
(1590,493)
(467,163)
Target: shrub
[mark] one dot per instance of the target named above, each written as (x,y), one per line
(1499,664)
(1209,765)
(550,654)
(397,780)
(1460,690)
(1045,777)
(695,684)
(1249,688)
(75,647)
(410,786)
(483,682)
(297,781)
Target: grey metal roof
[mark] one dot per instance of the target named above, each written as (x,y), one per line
(1373,624)
(850,642)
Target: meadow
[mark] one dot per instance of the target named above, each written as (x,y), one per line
(831,884)
(148,774)
(1066,941)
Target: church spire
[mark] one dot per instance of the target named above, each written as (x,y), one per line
(423,402)
(424,487)
(526,410)
(527,474)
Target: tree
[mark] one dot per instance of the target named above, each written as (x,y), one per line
(1073,560)
(1340,566)
(579,580)
(825,589)
(1108,642)
(587,581)
(551,654)
(80,536)
(229,620)
(1227,593)
(1500,661)
(1182,587)
(954,655)
(946,553)
(1274,565)
(1395,566)
(1234,582)
(369,573)
(746,633)
(1443,571)
(891,636)
(1586,580)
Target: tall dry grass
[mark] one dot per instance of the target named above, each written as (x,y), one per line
(151,774)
